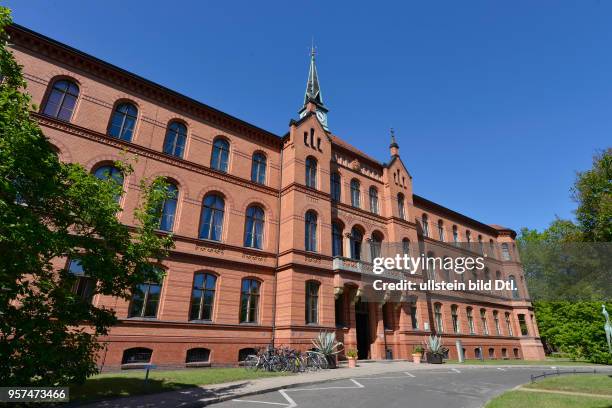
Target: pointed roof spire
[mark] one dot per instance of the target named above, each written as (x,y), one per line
(393,142)
(393,147)
(313,91)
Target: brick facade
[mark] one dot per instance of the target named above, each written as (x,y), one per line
(282,265)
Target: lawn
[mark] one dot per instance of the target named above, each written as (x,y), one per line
(589,383)
(584,383)
(547,362)
(131,382)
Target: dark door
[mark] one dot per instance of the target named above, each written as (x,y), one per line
(363,337)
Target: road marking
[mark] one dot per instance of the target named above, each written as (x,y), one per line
(292,403)
(358,384)
(455,370)
(380,378)
(262,402)
(408,374)
(501,369)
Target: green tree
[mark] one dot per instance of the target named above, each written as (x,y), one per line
(567,267)
(52,211)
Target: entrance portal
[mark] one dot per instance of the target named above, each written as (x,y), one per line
(363,330)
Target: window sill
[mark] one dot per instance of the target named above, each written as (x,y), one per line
(249,324)
(144,319)
(201,321)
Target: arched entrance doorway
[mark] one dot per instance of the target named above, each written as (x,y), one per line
(362,322)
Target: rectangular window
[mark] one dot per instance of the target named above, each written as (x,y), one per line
(485,326)
(505,252)
(414,317)
(202,296)
(509,325)
(496,321)
(145,300)
(470,319)
(84,287)
(438,317)
(312,302)
(523,325)
(249,301)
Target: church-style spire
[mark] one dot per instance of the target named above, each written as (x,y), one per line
(313,100)
(313,91)
(393,147)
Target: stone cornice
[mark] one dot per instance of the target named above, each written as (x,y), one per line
(149,153)
(41,45)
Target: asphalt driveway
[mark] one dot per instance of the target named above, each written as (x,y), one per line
(465,387)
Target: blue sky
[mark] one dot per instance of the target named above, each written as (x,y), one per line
(496,104)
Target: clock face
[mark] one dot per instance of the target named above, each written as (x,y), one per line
(322,118)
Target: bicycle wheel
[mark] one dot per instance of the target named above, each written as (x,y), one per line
(251,362)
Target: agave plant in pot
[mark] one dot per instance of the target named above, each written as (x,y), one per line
(326,344)
(435,350)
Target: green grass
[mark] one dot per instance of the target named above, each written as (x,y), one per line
(131,382)
(547,362)
(589,383)
(514,399)
(584,383)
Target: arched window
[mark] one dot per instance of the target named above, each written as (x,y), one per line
(478,353)
(487,276)
(470,319)
(356,240)
(505,252)
(438,317)
(406,246)
(515,290)
(374,200)
(84,286)
(468,237)
(441,230)
(136,355)
(211,223)
(337,249)
(168,208)
(258,168)
(145,300)
(176,137)
(425,225)
(483,319)
(376,245)
(455,235)
(310,238)
(220,155)
(496,322)
(335,186)
(400,206)
(249,301)
(523,325)
(123,121)
(508,324)
(311,172)
(480,244)
(254,227)
(312,302)
(491,248)
(245,352)
(203,296)
(355,193)
(198,355)
(62,100)
(110,173)
(455,318)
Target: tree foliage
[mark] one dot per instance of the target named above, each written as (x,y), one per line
(568,268)
(50,212)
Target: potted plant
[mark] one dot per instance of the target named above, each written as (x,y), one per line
(351,355)
(435,350)
(328,346)
(417,353)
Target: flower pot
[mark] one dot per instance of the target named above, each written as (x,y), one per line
(332,361)
(434,358)
(416,358)
(352,362)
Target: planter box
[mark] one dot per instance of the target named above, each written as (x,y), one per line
(435,358)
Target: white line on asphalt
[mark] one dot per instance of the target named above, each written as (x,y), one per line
(380,378)
(262,402)
(356,383)
(501,369)
(408,374)
(455,370)
(292,403)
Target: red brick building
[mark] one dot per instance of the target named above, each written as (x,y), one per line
(273,233)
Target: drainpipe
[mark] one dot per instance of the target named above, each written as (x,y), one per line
(277,246)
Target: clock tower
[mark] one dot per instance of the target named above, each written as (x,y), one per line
(313,100)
